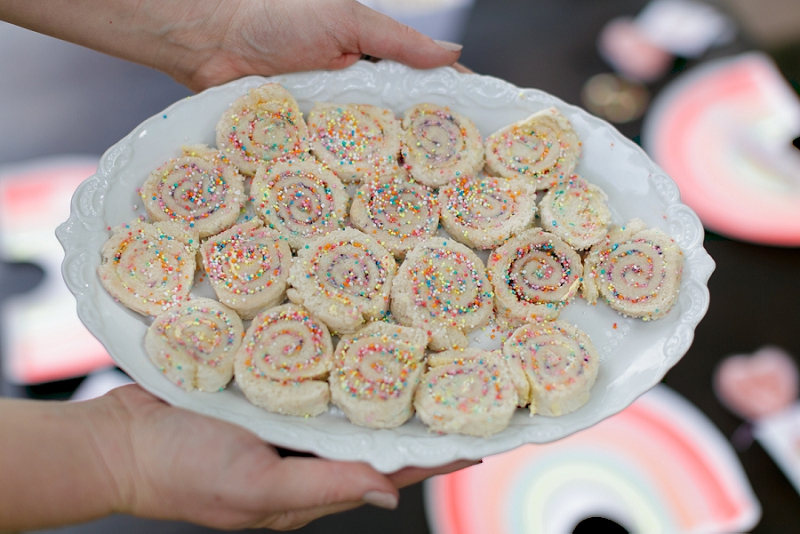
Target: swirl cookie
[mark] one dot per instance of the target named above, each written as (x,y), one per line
(375,373)
(356,141)
(576,211)
(534,275)
(636,270)
(200,189)
(149,267)
(555,364)
(283,363)
(439,145)
(194,343)
(262,126)
(466,392)
(483,211)
(539,149)
(248,267)
(300,198)
(343,278)
(442,287)
(397,212)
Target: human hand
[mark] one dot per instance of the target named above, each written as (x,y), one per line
(168,463)
(209,42)
(277,36)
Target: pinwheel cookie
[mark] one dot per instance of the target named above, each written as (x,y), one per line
(534,275)
(261,127)
(343,278)
(300,198)
(397,212)
(483,211)
(283,363)
(375,373)
(576,211)
(439,145)
(466,392)
(442,287)
(636,270)
(553,364)
(194,344)
(248,267)
(149,267)
(356,141)
(539,149)
(201,189)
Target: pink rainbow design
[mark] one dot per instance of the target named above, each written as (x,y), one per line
(658,465)
(719,131)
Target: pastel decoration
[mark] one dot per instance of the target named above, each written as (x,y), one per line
(779,435)
(658,466)
(759,385)
(723,132)
(34,199)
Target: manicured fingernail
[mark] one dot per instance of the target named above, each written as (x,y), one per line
(447,45)
(380,499)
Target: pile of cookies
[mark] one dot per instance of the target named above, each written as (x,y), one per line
(375,270)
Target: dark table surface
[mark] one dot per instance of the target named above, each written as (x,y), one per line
(82,102)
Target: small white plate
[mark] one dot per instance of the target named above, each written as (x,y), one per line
(635,355)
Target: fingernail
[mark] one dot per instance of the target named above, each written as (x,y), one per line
(447,45)
(380,499)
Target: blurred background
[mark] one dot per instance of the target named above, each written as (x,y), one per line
(709,89)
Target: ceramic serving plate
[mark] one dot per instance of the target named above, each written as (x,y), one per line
(635,355)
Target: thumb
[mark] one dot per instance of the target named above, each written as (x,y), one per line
(385,38)
(312,482)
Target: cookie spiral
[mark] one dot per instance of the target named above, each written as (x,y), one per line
(248,267)
(539,149)
(558,364)
(483,211)
(356,141)
(534,275)
(636,270)
(442,287)
(343,278)
(262,126)
(576,211)
(375,373)
(200,189)
(397,212)
(300,198)
(284,360)
(194,343)
(149,267)
(440,145)
(466,392)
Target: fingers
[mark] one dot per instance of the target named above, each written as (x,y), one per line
(312,482)
(383,37)
(461,68)
(412,475)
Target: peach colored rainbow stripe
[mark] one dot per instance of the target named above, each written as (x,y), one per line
(669,454)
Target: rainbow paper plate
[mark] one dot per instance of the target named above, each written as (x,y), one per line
(658,466)
(723,132)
